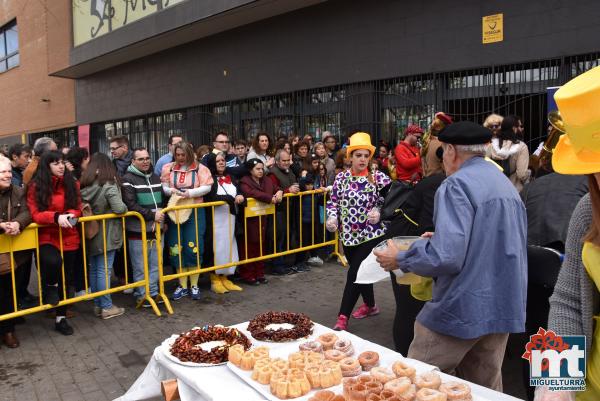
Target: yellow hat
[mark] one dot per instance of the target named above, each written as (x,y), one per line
(578,151)
(360,140)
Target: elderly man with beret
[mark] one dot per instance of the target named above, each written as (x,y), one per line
(478,258)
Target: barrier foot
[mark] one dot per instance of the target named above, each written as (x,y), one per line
(167,302)
(340,257)
(151,302)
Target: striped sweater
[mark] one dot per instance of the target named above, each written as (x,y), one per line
(142,193)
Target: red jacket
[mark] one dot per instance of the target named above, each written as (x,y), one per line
(49,217)
(408,162)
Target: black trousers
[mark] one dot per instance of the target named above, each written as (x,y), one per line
(407,309)
(6,302)
(50,270)
(24,274)
(355,255)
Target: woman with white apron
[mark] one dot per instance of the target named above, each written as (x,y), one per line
(223,226)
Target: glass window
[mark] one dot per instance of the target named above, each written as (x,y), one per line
(12,40)
(9,46)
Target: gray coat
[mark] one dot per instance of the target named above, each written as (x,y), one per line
(575,299)
(105,199)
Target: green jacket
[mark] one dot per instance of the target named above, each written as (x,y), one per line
(105,199)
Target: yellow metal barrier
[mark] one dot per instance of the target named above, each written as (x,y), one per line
(253,209)
(27,240)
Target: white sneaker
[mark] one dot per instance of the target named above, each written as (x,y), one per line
(80,293)
(128,291)
(316,261)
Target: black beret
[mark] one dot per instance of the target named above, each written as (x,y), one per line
(465,133)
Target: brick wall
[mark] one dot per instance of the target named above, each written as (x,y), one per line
(44,41)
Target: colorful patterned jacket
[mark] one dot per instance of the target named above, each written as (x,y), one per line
(352,197)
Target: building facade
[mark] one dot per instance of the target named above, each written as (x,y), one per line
(35,41)
(150,69)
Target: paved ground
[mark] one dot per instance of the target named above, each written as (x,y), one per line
(104,357)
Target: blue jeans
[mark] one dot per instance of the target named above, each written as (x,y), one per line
(137,263)
(99,275)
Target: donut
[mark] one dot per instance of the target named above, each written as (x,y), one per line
(401,369)
(326,395)
(344,346)
(350,367)
(313,346)
(398,386)
(409,394)
(428,380)
(368,360)
(334,355)
(186,347)
(428,394)
(456,391)
(327,340)
(382,375)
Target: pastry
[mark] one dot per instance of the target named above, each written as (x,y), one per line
(428,380)
(313,346)
(334,355)
(304,358)
(368,360)
(401,369)
(344,346)
(289,383)
(350,367)
(188,346)
(299,324)
(382,375)
(456,391)
(327,340)
(323,375)
(398,386)
(428,394)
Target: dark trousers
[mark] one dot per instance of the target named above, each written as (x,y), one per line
(119,264)
(50,266)
(355,255)
(407,309)
(6,302)
(24,274)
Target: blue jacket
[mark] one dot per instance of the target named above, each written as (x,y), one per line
(478,255)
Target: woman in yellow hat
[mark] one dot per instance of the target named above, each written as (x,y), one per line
(574,306)
(355,200)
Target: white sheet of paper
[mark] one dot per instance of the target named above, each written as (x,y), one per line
(371,272)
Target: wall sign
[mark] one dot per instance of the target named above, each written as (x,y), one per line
(94,18)
(492,28)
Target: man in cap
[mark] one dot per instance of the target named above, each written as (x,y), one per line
(479,259)
(408,157)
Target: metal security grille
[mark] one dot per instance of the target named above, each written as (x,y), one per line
(383,107)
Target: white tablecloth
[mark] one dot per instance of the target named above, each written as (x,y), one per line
(219,383)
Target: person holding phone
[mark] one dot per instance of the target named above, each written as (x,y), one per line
(54,201)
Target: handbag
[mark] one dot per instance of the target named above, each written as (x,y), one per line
(395,198)
(91,227)
(5,257)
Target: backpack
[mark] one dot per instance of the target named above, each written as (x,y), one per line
(394,199)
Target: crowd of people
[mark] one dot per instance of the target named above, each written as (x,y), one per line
(473,193)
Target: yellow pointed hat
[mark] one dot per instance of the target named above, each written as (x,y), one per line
(578,151)
(360,140)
